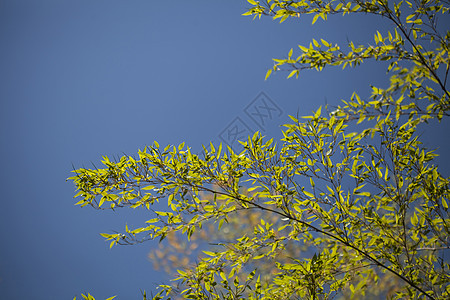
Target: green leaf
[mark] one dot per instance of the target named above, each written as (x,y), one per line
(366,194)
(444,203)
(258,257)
(293,72)
(414,220)
(308,194)
(325,43)
(318,112)
(316,16)
(380,37)
(209,253)
(268,74)
(316,43)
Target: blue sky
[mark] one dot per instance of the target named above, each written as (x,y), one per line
(82,79)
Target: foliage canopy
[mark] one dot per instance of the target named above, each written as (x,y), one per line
(354,188)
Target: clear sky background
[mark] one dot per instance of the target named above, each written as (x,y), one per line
(80,79)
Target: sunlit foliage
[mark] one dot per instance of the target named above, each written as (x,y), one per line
(354,185)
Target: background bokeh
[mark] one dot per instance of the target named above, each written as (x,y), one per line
(81,79)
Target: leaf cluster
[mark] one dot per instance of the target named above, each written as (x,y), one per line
(354,187)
